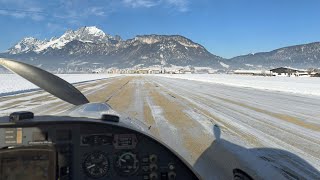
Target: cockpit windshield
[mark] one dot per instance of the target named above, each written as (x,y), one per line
(159,89)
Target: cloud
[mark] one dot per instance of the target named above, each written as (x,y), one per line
(77,17)
(78,11)
(36,13)
(4,12)
(37,17)
(38,10)
(16,14)
(181,5)
(141,3)
(97,11)
(22,9)
(32,13)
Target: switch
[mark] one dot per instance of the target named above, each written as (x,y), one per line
(145,168)
(153,167)
(164,176)
(153,176)
(172,175)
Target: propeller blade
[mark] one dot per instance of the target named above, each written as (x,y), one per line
(47,81)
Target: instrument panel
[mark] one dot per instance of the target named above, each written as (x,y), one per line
(94,151)
(28,163)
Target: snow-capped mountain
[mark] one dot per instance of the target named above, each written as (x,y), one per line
(26,45)
(299,56)
(84,34)
(90,47)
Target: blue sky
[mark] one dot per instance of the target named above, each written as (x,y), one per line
(225,27)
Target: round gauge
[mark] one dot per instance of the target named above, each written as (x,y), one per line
(127,164)
(96,165)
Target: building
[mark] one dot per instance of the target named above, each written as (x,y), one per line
(155,71)
(130,71)
(187,72)
(212,71)
(253,72)
(143,71)
(282,71)
(303,73)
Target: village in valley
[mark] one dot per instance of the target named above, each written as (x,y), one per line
(281,71)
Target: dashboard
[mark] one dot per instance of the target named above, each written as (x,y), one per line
(85,150)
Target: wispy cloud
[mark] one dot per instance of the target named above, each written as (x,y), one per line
(39,15)
(141,3)
(5,12)
(33,13)
(75,16)
(39,10)
(22,9)
(97,11)
(180,5)
(76,12)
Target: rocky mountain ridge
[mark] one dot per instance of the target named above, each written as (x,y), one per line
(298,56)
(88,48)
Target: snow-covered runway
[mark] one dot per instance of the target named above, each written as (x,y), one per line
(279,129)
(256,119)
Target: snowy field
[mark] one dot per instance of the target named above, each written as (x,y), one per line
(299,85)
(12,83)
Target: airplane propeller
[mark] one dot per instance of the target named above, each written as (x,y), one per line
(47,81)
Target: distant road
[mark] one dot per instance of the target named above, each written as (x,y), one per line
(182,113)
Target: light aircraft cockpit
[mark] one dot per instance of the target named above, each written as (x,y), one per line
(89,142)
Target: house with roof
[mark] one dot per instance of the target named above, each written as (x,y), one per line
(283,71)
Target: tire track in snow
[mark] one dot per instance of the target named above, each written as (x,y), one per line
(241,119)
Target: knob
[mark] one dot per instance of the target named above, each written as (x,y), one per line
(153,167)
(153,158)
(153,176)
(171,166)
(172,175)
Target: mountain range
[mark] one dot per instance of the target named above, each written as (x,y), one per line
(89,48)
(300,56)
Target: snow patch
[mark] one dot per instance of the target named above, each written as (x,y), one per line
(147,40)
(297,85)
(224,65)
(11,83)
(94,30)
(188,45)
(85,34)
